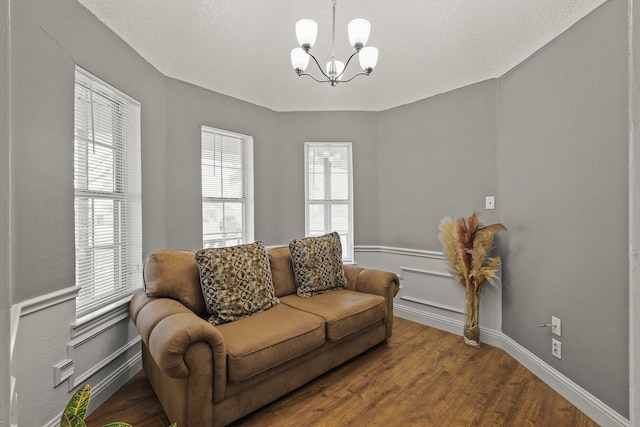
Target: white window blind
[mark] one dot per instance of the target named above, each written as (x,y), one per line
(227,188)
(329,192)
(108,212)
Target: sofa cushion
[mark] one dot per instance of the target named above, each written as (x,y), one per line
(268,339)
(236,281)
(282,270)
(344,311)
(175,275)
(317,264)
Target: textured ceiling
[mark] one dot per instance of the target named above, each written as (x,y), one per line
(241,47)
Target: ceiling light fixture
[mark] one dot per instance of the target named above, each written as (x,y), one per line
(307,31)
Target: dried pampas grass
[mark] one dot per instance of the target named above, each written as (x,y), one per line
(466,244)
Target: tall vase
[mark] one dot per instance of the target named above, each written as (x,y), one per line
(471,321)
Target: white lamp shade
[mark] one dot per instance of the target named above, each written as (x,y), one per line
(306,32)
(299,59)
(368,57)
(339,68)
(359,30)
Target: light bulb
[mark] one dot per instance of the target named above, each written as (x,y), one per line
(359,30)
(338,70)
(368,58)
(306,32)
(299,59)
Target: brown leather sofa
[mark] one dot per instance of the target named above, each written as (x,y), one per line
(207,375)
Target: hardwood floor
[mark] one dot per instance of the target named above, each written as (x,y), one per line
(421,377)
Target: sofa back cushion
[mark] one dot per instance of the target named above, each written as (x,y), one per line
(175,275)
(236,281)
(282,270)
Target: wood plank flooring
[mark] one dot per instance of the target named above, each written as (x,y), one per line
(421,377)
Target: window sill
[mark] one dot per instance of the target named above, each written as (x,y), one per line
(102,319)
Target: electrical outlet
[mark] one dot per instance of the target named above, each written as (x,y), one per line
(556,326)
(490,202)
(556,348)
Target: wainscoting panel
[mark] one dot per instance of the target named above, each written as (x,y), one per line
(429,294)
(432,289)
(53,356)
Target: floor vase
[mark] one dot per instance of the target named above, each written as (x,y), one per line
(471,320)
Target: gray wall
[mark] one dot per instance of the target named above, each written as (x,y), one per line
(437,159)
(5,226)
(549,140)
(294,129)
(189,107)
(48,38)
(278,163)
(562,172)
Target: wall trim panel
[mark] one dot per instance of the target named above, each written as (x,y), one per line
(400,251)
(432,304)
(97,397)
(62,371)
(80,379)
(423,301)
(48,300)
(85,331)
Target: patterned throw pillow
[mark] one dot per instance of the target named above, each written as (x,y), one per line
(236,281)
(317,264)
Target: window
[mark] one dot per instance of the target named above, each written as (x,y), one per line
(329,192)
(108,212)
(227,188)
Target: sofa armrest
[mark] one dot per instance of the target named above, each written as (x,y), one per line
(381,283)
(169,330)
(378,282)
(351,272)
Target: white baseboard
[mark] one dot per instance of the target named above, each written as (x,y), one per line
(104,389)
(579,397)
(447,324)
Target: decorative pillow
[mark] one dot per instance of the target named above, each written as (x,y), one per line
(236,281)
(317,264)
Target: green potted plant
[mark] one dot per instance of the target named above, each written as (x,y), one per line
(76,410)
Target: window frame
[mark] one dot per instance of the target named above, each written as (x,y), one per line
(247,200)
(102,282)
(347,238)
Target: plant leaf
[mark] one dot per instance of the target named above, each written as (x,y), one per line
(493,227)
(79,402)
(71,420)
(118,425)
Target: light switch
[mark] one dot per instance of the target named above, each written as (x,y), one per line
(490,202)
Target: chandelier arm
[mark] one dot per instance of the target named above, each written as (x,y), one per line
(313,77)
(319,68)
(364,73)
(346,65)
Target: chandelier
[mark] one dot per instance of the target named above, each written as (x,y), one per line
(306,32)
